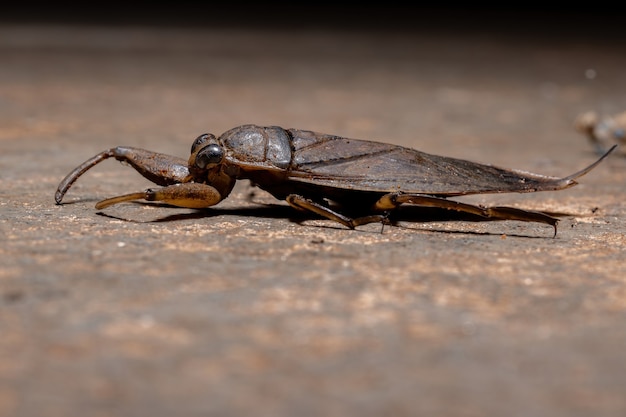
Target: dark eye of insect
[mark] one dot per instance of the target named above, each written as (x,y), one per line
(200,140)
(210,155)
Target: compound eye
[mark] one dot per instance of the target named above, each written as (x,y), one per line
(210,155)
(201,140)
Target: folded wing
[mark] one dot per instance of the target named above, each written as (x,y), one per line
(372,166)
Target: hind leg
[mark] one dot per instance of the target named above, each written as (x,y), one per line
(394,200)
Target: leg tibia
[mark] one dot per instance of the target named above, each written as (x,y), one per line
(393,200)
(302,203)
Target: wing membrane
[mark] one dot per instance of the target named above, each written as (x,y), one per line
(372,166)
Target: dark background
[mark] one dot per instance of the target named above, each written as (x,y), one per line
(570,20)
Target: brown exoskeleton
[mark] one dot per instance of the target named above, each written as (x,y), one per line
(310,170)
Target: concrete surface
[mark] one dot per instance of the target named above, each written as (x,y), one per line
(250,309)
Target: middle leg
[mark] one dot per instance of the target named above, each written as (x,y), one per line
(301,203)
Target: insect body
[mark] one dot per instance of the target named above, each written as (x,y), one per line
(324,174)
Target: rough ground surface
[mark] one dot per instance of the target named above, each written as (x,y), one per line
(249,309)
